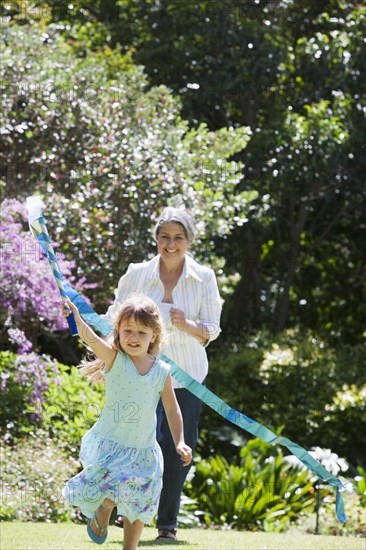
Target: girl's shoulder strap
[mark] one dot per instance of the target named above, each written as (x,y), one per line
(163,366)
(120,359)
(162,371)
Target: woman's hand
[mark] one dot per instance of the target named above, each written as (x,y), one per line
(178,318)
(185,453)
(197,330)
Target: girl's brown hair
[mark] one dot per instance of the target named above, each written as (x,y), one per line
(143,311)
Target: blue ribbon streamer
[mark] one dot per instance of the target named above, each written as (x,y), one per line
(87,311)
(257,429)
(218,405)
(39,229)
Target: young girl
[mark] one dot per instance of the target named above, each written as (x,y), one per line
(121,458)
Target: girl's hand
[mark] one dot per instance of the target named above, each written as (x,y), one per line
(68,307)
(178,318)
(185,453)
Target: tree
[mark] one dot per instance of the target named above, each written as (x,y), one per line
(107,154)
(272,65)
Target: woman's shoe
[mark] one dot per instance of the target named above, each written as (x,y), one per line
(99,539)
(167,534)
(119,521)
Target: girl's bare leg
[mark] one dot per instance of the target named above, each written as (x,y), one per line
(132,534)
(103,515)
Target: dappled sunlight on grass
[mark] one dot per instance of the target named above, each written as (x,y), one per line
(67,536)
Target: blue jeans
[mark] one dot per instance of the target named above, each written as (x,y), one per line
(174,472)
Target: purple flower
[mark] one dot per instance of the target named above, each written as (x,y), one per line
(29,295)
(18,337)
(31,370)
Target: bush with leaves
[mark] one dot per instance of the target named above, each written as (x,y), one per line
(108,154)
(261,491)
(24,381)
(38,393)
(30,303)
(71,407)
(345,420)
(328,523)
(360,485)
(296,384)
(34,472)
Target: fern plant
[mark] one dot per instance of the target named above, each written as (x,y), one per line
(263,491)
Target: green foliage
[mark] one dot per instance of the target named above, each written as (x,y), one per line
(234,376)
(188,516)
(34,471)
(328,521)
(14,394)
(308,367)
(262,491)
(219,56)
(361,485)
(307,161)
(295,384)
(24,380)
(345,420)
(107,154)
(69,407)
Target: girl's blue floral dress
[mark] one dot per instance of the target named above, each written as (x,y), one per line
(120,455)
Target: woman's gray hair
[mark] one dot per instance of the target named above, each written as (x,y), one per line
(171,214)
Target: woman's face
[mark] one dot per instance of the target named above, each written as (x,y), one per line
(172,242)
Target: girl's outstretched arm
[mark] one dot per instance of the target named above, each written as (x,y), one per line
(102,349)
(175,421)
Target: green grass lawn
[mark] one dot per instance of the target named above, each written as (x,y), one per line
(66,536)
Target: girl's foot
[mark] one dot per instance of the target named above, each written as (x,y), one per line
(99,523)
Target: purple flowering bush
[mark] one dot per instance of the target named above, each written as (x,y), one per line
(29,297)
(46,408)
(38,393)
(24,381)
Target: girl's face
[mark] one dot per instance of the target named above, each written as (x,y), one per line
(135,338)
(172,242)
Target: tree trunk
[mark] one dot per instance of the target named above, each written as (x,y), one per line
(283,302)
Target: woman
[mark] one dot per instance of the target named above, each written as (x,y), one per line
(189,300)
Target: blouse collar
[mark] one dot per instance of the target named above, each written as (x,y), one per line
(190,269)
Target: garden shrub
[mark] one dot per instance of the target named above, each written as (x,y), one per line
(299,384)
(30,303)
(65,404)
(328,523)
(24,380)
(46,408)
(345,420)
(260,491)
(360,485)
(72,405)
(34,471)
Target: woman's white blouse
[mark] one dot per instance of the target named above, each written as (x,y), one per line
(196,293)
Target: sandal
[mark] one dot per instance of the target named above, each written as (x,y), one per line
(99,539)
(167,534)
